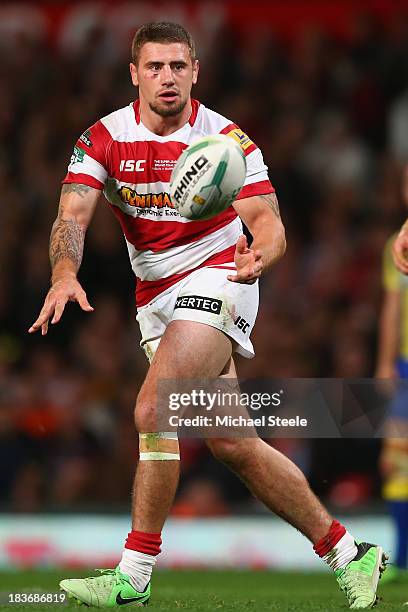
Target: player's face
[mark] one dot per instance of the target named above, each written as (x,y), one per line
(165,75)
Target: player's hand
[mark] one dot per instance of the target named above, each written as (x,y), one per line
(66,289)
(387,375)
(248,262)
(386,462)
(400,250)
(386,370)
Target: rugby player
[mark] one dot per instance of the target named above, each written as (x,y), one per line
(129,154)
(392,363)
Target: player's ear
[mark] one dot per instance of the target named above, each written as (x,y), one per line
(133,74)
(196,68)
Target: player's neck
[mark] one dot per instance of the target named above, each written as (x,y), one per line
(163,126)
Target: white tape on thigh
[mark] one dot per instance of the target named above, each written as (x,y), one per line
(160,446)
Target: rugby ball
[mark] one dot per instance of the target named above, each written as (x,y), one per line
(207,177)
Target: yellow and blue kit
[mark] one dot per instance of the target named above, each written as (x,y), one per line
(395,488)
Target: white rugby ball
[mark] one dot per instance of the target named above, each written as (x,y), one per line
(207,177)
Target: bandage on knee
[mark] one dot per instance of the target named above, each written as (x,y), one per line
(160,446)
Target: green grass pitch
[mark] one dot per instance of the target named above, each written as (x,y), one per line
(224,591)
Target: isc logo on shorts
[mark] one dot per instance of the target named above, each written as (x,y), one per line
(198,302)
(242,324)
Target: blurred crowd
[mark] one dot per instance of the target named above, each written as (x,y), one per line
(331,118)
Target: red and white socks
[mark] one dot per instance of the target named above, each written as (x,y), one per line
(139,557)
(337,548)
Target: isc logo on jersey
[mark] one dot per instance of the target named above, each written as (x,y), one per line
(132,165)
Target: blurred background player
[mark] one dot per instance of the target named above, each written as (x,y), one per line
(400,242)
(392,363)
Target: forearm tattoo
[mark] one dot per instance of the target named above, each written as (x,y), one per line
(272,201)
(66,241)
(67,236)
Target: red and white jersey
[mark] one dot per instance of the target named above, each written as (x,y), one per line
(133,166)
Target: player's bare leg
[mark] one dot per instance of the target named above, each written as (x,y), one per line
(282,487)
(203,352)
(186,346)
(273,479)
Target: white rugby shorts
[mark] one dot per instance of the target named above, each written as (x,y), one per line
(206,296)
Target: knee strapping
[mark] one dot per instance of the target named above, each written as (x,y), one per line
(160,446)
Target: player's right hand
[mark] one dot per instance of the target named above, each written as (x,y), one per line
(386,370)
(400,250)
(66,289)
(387,376)
(248,263)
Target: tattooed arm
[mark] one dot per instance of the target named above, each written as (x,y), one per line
(262,217)
(76,207)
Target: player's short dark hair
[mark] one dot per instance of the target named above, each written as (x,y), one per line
(161,32)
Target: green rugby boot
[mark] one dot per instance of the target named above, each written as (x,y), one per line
(359,579)
(110,589)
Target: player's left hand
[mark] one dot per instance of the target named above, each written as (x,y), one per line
(400,250)
(248,262)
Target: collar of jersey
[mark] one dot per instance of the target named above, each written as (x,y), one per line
(195,104)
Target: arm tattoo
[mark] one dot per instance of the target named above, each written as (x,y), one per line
(272,202)
(81,190)
(67,236)
(66,241)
